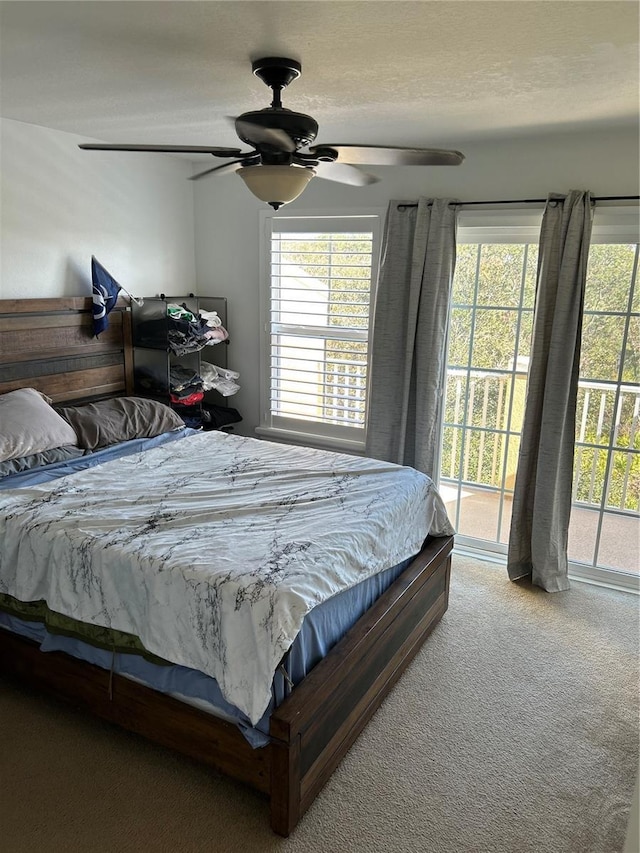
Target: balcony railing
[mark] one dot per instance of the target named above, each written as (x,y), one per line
(345,392)
(490,408)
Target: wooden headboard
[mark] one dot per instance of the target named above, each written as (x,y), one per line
(48,344)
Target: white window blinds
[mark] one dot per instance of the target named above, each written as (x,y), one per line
(321,272)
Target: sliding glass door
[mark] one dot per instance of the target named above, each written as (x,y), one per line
(489,348)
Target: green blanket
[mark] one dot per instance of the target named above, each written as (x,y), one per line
(95,635)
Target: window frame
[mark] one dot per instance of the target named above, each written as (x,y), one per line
(291,430)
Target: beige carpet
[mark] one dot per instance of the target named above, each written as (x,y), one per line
(514,731)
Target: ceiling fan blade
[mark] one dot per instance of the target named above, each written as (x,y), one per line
(374,155)
(221,170)
(344,174)
(256,134)
(173,149)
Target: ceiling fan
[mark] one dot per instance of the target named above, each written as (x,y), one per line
(282,159)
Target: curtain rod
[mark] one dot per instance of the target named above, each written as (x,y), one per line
(533,200)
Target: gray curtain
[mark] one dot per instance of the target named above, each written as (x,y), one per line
(542,493)
(410,333)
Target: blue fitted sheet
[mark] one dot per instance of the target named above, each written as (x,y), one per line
(47,473)
(321,629)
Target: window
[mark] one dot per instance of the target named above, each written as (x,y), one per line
(489,347)
(317,306)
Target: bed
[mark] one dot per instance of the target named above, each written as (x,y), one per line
(314,714)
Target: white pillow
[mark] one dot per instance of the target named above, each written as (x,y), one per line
(28,424)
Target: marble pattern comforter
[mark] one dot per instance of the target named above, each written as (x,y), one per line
(213,548)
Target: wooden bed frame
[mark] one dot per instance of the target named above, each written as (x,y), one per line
(48,344)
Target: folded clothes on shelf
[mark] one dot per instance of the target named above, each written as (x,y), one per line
(219,378)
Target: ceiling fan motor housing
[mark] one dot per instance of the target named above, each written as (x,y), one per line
(300,128)
(276,71)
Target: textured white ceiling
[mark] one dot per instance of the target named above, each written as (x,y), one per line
(426,73)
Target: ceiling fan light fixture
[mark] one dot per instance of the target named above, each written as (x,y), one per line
(277,185)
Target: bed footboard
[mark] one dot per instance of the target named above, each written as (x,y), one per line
(314,728)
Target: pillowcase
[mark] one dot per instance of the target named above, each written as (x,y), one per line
(28,425)
(47,457)
(119,419)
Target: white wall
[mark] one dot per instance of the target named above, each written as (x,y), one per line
(227,220)
(60,205)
